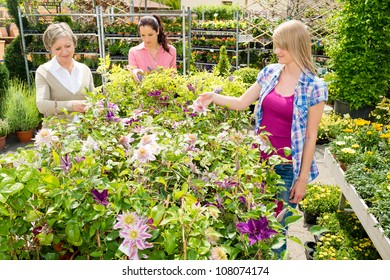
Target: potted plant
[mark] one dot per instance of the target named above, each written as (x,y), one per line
(349,51)
(319,199)
(21,111)
(4,130)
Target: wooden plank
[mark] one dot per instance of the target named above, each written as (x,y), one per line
(368,221)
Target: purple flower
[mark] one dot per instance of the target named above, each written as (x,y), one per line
(191,87)
(100,197)
(79,159)
(226,184)
(256,230)
(66,164)
(111,117)
(154,93)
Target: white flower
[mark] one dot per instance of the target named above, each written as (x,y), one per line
(218,253)
(147,140)
(198,107)
(191,138)
(126,140)
(90,145)
(45,137)
(144,154)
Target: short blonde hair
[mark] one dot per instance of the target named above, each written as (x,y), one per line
(56,31)
(294,37)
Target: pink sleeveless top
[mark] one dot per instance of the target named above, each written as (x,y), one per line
(277,120)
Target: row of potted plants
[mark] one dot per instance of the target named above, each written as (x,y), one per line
(338,235)
(362,149)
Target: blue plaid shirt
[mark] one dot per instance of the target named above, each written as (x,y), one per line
(310,91)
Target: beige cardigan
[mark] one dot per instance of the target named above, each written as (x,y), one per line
(52,97)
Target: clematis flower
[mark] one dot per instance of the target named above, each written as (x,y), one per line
(90,145)
(226,184)
(135,239)
(126,219)
(45,137)
(191,138)
(147,140)
(218,253)
(256,230)
(66,164)
(100,197)
(126,140)
(144,154)
(190,87)
(111,117)
(198,107)
(154,93)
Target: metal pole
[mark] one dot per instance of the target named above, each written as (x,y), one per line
(237,36)
(24,46)
(184,39)
(189,37)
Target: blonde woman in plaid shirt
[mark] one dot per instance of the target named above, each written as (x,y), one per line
(291,100)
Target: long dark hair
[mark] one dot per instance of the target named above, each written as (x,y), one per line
(155,23)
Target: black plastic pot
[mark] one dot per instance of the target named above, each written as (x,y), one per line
(310,247)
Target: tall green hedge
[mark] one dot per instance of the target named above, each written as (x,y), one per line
(359,50)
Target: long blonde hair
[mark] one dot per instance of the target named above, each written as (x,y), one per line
(293,36)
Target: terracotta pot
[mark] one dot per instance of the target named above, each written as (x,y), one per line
(2,142)
(24,136)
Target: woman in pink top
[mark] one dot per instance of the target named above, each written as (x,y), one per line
(154,51)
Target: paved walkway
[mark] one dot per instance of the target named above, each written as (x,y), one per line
(301,229)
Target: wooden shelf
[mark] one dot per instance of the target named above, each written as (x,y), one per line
(368,221)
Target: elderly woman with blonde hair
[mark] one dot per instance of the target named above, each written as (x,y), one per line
(61,83)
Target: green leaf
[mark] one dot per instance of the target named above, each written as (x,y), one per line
(295,239)
(72,232)
(33,215)
(157,255)
(45,239)
(317,230)
(4,227)
(170,242)
(157,214)
(292,219)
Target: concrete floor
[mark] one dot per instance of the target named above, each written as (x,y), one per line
(301,229)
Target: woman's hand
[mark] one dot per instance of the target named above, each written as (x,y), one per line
(79,106)
(138,74)
(205,98)
(298,191)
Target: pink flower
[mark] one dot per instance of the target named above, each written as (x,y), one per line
(45,137)
(144,154)
(127,219)
(135,239)
(198,107)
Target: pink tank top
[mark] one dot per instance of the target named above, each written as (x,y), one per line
(277,120)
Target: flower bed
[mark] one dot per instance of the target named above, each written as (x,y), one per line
(143,174)
(369,222)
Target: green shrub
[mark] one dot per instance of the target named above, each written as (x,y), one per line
(4,79)
(14,60)
(247,74)
(224,65)
(359,52)
(20,108)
